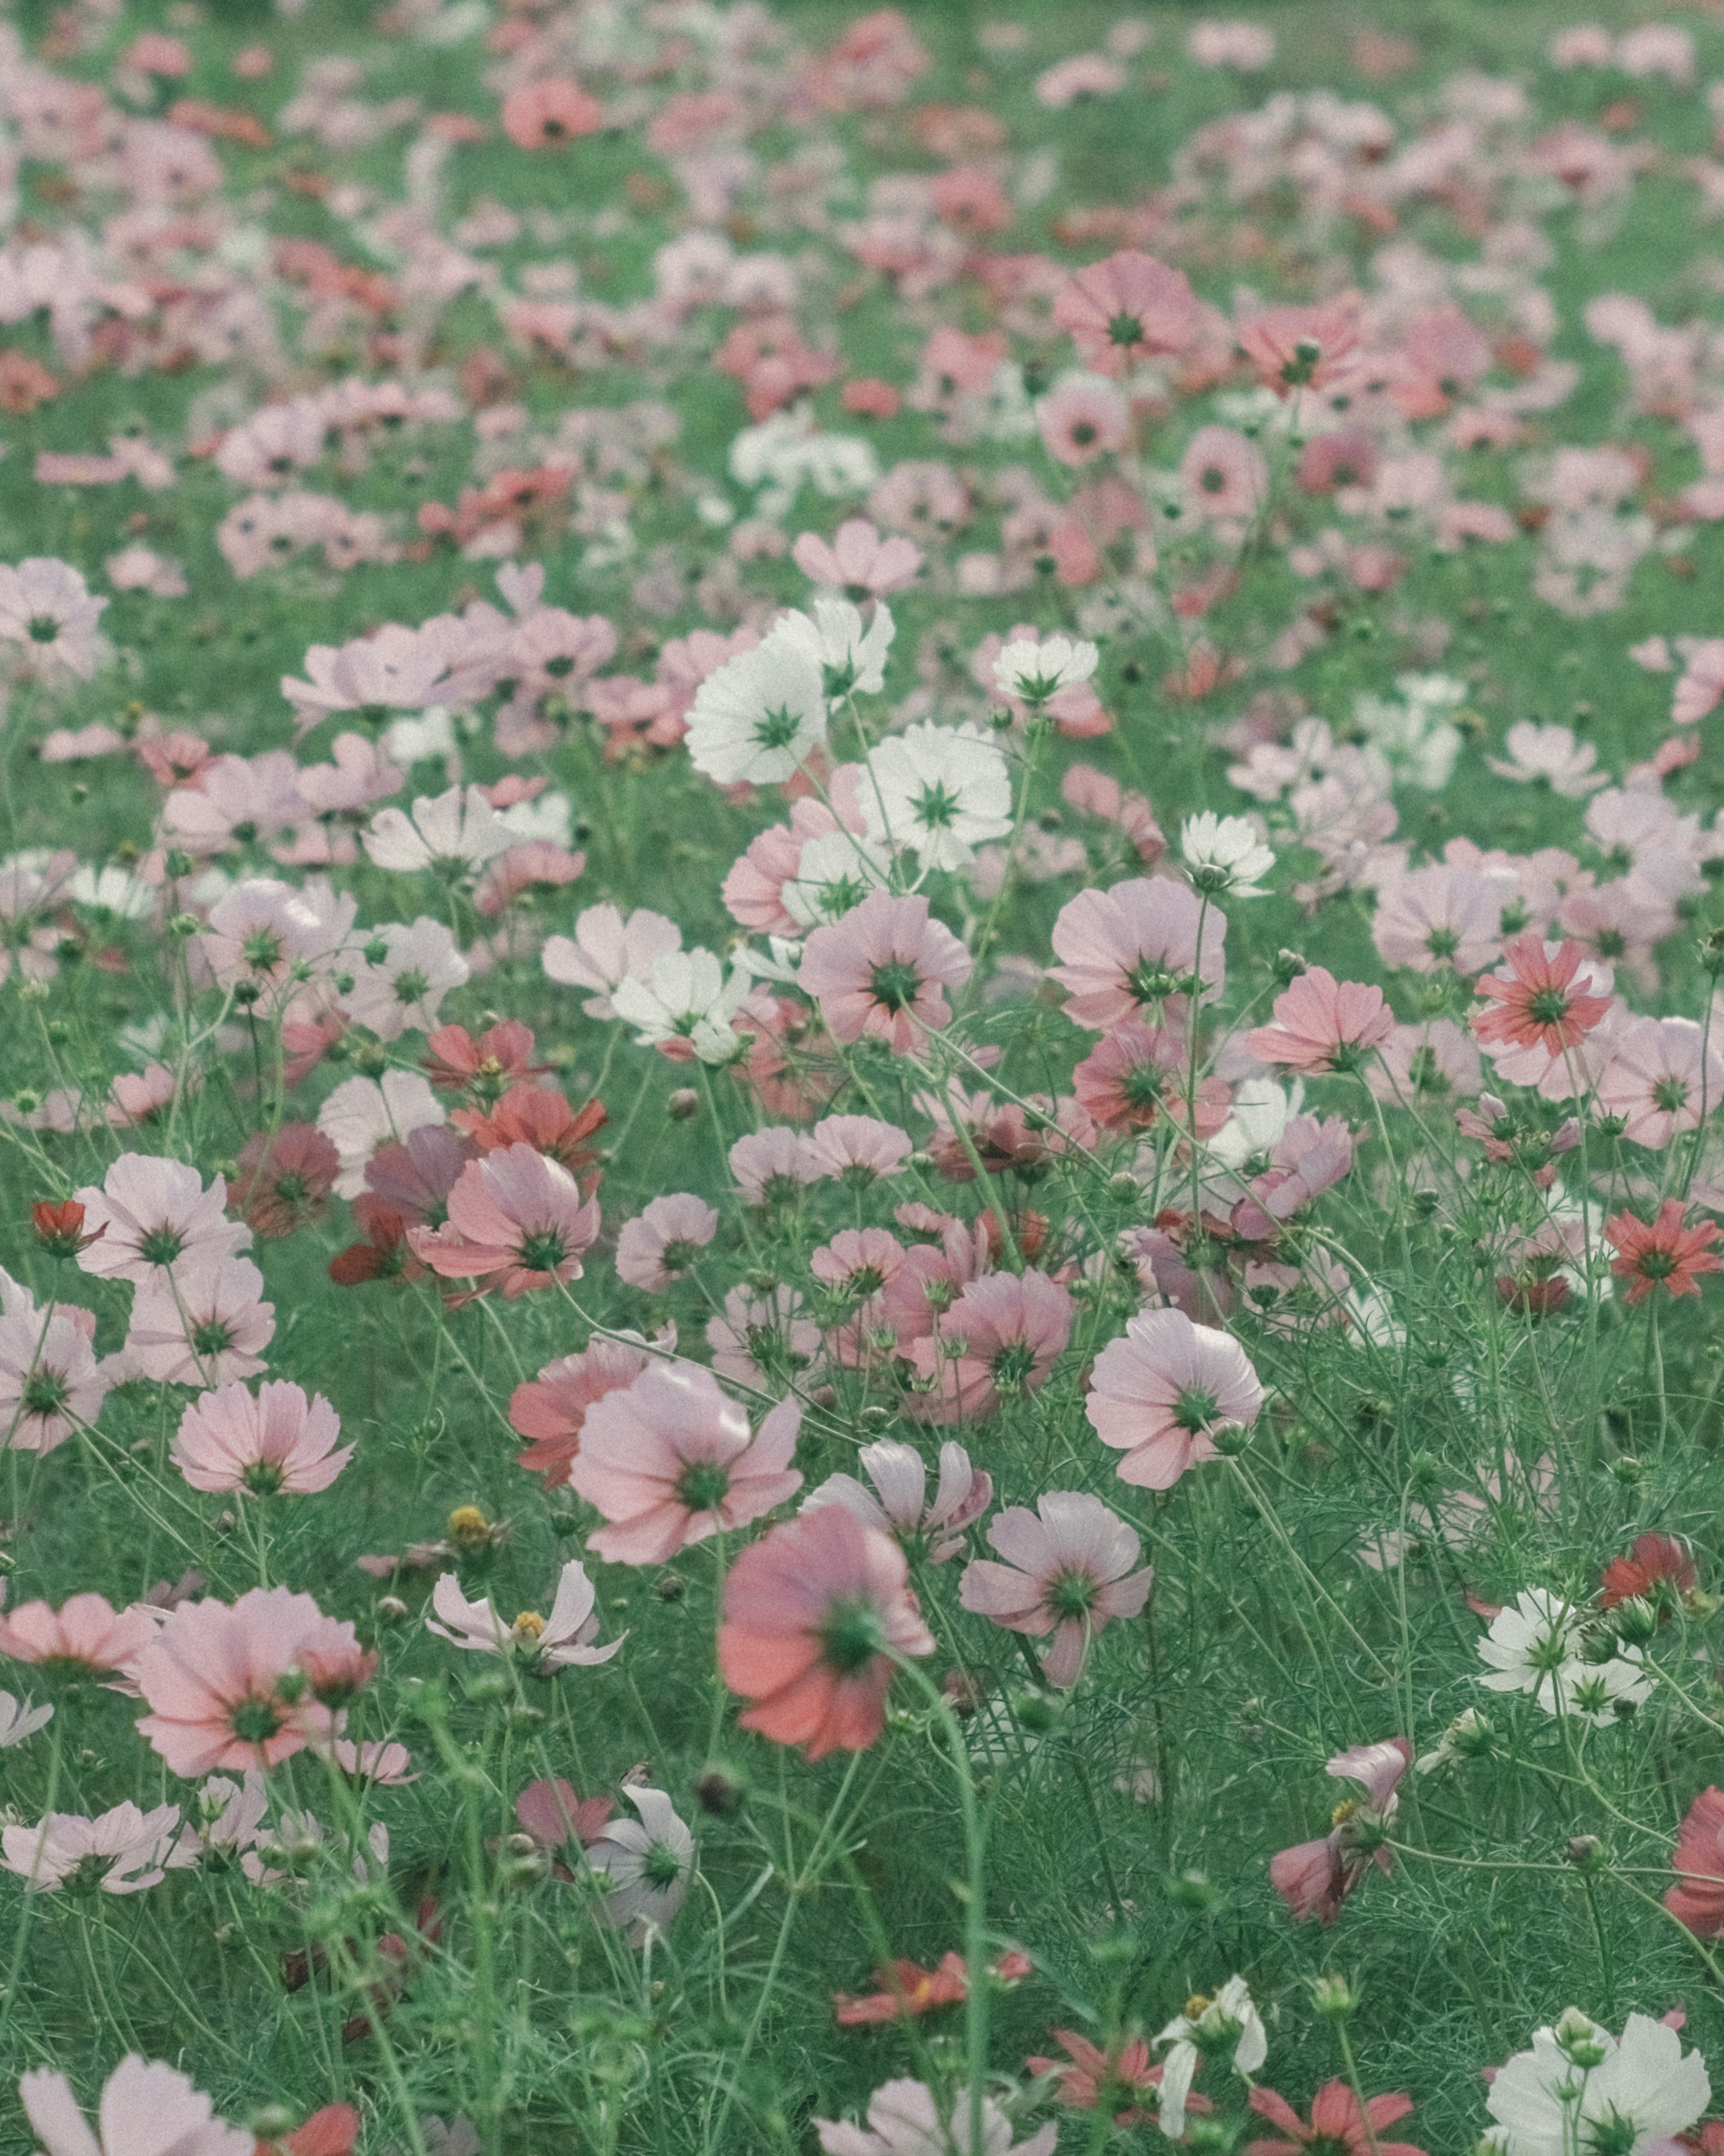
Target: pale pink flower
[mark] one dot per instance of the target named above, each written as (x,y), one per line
(86,1634)
(364,1116)
(1441,916)
(905,2120)
(1243,46)
(1084,75)
(898,1503)
(1435,1061)
(669,1461)
(46,606)
(50,1381)
(1159,1391)
(606,949)
(858,563)
(205,1326)
(263,937)
(658,1246)
(516,1214)
(859,1149)
(773,1165)
(882,970)
(1225,474)
(396,669)
(999,1341)
(458,830)
(1550,753)
(550,1409)
(135,1847)
(146,2110)
(1664,1077)
(1068,1571)
(240,1686)
(763,1340)
(152,1218)
(234,801)
(401,977)
(558,1641)
(1128,308)
(1314,1878)
(1082,417)
(1135,947)
(274,1440)
(1702,682)
(1321,1023)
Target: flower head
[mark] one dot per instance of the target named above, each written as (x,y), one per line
(649,1863)
(898,1502)
(1580,2087)
(883,970)
(1225,853)
(515,1216)
(1161,1389)
(1321,1023)
(148,2109)
(1662,1253)
(1068,1572)
(1339,2124)
(275,1441)
(555,1642)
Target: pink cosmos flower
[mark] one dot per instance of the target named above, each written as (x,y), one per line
(1225,474)
(282,1182)
(670,1460)
(999,1341)
(1664,1077)
(660,1244)
(810,1612)
(238,1686)
(144,2106)
(1316,1877)
(1081,418)
(1129,308)
(1138,1072)
(555,1642)
(153,1217)
(555,1814)
(1134,947)
(1068,1571)
(858,1264)
(773,1165)
(135,1848)
(275,1440)
(764,1340)
(1160,1390)
(606,950)
(550,1409)
(1324,1025)
(203,1328)
(858,563)
(46,606)
(1442,916)
(50,1381)
(1294,347)
(898,1503)
(903,2119)
(403,974)
(1339,2126)
(1545,997)
(86,1634)
(881,970)
(859,1149)
(515,1213)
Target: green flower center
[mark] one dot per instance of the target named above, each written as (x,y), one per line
(851,1637)
(777,729)
(161,1246)
(543,1251)
(45,1393)
(704,1486)
(896,984)
(1072,1595)
(1196,1410)
(213,1337)
(255,1720)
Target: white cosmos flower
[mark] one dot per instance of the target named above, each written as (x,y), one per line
(1581,2087)
(834,872)
(1536,1646)
(1261,1112)
(944,790)
(113,890)
(363,1114)
(685,997)
(460,827)
(547,816)
(1225,853)
(648,1864)
(1036,671)
(851,653)
(1229,2020)
(758,716)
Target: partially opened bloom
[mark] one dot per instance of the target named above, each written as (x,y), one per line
(1162,1388)
(1316,1877)
(236,1686)
(1658,1569)
(1321,1023)
(549,1643)
(551,1410)
(670,1460)
(1229,2021)
(1339,2125)
(883,970)
(1663,1252)
(905,2120)
(515,1214)
(906,1990)
(809,1613)
(86,1635)
(898,1504)
(275,1440)
(146,2109)
(1068,1572)
(124,1851)
(1033,673)
(649,1862)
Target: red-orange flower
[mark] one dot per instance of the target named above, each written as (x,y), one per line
(544,116)
(1658,1567)
(1662,1253)
(59,1229)
(530,1115)
(904,1988)
(1697,1899)
(1536,1005)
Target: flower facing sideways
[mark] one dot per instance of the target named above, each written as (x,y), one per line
(1314,1878)
(1580,2087)
(548,1643)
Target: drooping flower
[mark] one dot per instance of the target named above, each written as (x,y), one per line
(273,1441)
(1316,1877)
(1321,1023)
(1162,1388)
(897,1505)
(649,1862)
(1068,1572)
(809,1613)
(555,1642)
(515,1216)
(148,2109)
(1662,1253)
(1229,2021)
(883,970)
(668,1459)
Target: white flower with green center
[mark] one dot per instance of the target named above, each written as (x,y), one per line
(1225,853)
(851,653)
(1209,2027)
(1539,1646)
(685,997)
(1035,672)
(756,718)
(1580,2089)
(944,790)
(835,873)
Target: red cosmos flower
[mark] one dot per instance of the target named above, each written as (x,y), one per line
(554,1814)
(1535,1005)
(544,116)
(284,1183)
(1658,1567)
(1338,2123)
(333,2131)
(1662,1253)
(1697,1899)
(904,1988)
(1091,2078)
(528,1115)
(483,1069)
(59,1229)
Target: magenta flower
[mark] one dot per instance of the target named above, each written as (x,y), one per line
(898,1503)
(1160,1390)
(882,970)
(1324,1025)
(274,1441)
(656,1248)
(515,1214)
(1134,949)
(1068,1571)
(670,1460)
(1316,1877)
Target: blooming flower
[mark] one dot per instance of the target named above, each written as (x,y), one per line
(1662,1253)
(1135,947)
(284,1181)
(1314,1878)
(401,977)
(46,606)
(656,1248)
(513,1214)
(944,790)
(145,2107)
(152,1217)
(809,1612)
(685,1003)
(1000,1340)
(274,1440)
(905,2120)
(1537,1646)
(1128,308)
(1035,673)
(1545,1001)
(669,1460)
(203,1328)
(1068,1571)
(849,652)
(49,1378)
(1225,853)
(897,1505)
(608,949)
(1321,1023)
(458,831)
(1229,2021)
(125,1849)
(759,716)
(1663,1077)
(906,1989)
(85,1634)
(649,1863)
(858,563)
(1339,2123)
(1579,2087)
(1160,1390)
(555,1642)
(1090,2078)
(882,970)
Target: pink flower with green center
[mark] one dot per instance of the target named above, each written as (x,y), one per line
(1068,1572)
(1161,1392)
(883,971)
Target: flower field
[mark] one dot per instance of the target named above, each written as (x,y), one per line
(861,1040)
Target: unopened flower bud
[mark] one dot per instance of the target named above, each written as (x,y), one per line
(1636,1621)
(177,862)
(1580,2039)
(391,1609)
(272,2122)
(1584,1851)
(1036,1711)
(1626,1469)
(1334,1997)
(1287,966)
(721,1793)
